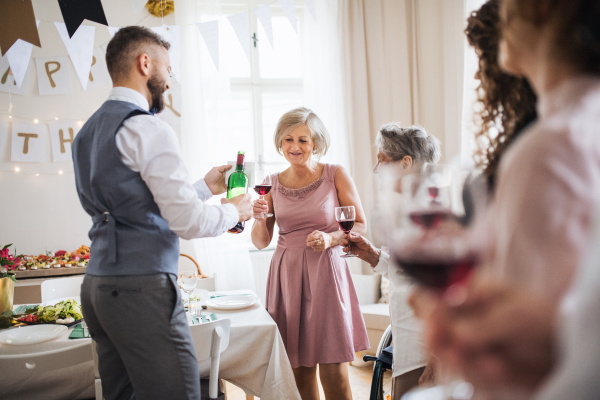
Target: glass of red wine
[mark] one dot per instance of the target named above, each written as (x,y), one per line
(345,217)
(263,188)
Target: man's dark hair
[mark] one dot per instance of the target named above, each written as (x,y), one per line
(127,45)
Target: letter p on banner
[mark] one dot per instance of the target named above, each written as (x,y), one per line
(62,135)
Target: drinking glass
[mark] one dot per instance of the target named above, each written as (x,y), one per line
(188,281)
(263,188)
(345,217)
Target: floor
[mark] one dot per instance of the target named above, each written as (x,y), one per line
(360,381)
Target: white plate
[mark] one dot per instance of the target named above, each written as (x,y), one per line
(32,334)
(232,302)
(55,301)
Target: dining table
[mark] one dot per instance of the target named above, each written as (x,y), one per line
(255,361)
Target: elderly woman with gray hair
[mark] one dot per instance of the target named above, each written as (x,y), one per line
(407,149)
(310,294)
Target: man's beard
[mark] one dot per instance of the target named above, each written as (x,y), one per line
(157,87)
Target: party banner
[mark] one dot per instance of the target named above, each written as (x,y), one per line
(8,84)
(112,30)
(28,142)
(62,135)
(240,25)
(18,58)
(290,11)
(172,34)
(53,75)
(210,34)
(75,11)
(99,73)
(3,138)
(312,8)
(138,5)
(80,48)
(17,21)
(263,14)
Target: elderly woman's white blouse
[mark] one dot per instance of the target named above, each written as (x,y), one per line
(549,183)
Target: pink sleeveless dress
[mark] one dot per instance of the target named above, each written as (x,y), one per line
(310,294)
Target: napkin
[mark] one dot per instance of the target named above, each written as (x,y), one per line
(77,333)
(23,309)
(204,319)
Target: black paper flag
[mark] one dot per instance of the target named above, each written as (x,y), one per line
(75,11)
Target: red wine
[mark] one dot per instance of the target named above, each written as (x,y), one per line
(346,225)
(433,191)
(430,218)
(438,273)
(262,190)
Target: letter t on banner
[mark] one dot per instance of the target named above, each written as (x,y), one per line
(28,142)
(240,25)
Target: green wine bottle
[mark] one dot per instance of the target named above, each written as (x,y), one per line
(238,184)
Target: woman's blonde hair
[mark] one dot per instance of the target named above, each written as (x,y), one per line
(298,117)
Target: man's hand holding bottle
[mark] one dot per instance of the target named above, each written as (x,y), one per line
(243,204)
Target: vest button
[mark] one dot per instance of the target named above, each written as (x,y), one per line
(115,293)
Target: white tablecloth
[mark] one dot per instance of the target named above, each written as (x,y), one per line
(255,361)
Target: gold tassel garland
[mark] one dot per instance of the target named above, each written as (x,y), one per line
(160,8)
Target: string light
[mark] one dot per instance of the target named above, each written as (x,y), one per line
(37,174)
(17,169)
(10,116)
(35,121)
(60,172)
(56,118)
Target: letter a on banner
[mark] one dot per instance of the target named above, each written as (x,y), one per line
(28,142)
(62,135)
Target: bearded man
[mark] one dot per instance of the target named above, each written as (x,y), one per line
(132,181)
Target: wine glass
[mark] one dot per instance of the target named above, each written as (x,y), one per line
(188,281)
(263,188)
(345,217)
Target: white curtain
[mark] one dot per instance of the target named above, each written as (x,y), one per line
(206,95)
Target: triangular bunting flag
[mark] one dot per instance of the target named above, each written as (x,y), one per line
(263,14)
(241,26)
(290,11)
(138,5)
(112,30)
(18,58)
(17,21)
(172,34)
(75,11)
(210,34)
(80,48)
(312,8)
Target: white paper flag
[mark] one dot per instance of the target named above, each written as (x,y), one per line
(138,5)
(312,8)
(172,34)
(28,142)
(18,58)
(8,83)
(80,48)
(112,30)
(61,139)
(263,14)
(3,139)
(210,34)
(241,26)
(99,73)
(53,75)
(290,11)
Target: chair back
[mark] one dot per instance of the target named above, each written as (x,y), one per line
(210,340)
(53,289)
(35,364)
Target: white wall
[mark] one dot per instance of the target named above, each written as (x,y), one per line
(43,212)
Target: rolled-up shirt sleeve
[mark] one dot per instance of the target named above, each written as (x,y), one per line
(158,160)
(382,265)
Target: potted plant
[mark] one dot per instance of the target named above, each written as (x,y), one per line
(8,264)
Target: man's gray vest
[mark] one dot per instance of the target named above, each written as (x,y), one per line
(129,236)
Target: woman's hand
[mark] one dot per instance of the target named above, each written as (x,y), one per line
(260,209)
(319,241)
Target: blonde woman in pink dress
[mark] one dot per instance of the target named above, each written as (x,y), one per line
(310,294)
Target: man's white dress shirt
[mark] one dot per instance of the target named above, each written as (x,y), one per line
(406,328)
(148,145)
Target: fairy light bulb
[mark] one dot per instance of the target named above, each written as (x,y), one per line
(35,121)
(60,172)
(37,174)
(17,169)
